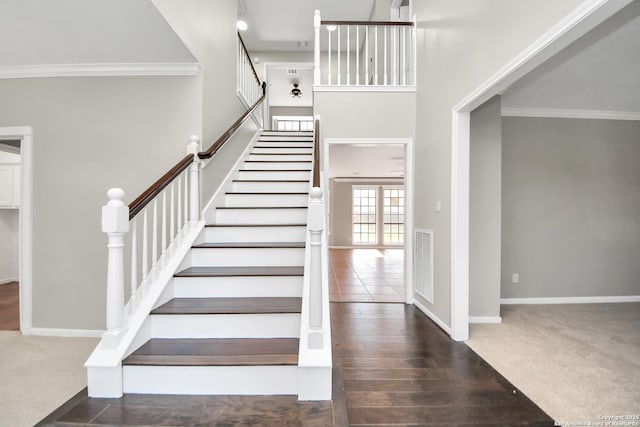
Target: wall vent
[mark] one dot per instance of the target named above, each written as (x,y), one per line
(292,71)
(423,264)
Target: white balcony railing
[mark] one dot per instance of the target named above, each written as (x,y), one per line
(364,53)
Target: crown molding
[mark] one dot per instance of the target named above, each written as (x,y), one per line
(99,70)
(570,114)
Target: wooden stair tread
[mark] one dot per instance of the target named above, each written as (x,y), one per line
(277,161)
(282,146)
(270,180)
(282,154)
(250,245)
(274,170)
(240,271)
(267,305)
(261,207)
(253,193)
(216,352)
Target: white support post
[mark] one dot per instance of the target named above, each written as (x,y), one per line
(194,179)
(115,223)
(375,56)
(316,48)
(348,55)
(316,213)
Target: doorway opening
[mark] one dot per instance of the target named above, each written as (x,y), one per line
(369,215)
(15,228)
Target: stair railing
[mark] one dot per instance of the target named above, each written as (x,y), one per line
(155,224)
(314,360)
(248,90)
(365,53)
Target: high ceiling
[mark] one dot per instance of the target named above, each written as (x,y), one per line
(598,72)
(366,160)
(287,25)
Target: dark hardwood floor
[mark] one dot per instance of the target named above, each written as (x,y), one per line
(9,307)
(392,366)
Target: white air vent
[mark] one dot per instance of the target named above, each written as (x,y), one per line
(292,71)
(423,264)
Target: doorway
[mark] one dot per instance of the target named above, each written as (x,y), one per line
(15,227)
(369,219)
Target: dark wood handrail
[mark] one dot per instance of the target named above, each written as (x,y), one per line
(244,47)
(370,23)
(150,193)
(316,154)
(207,154)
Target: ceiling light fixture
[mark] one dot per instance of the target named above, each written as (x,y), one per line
(241,25)
(331,27)
(296,92)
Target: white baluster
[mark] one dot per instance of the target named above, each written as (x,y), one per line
(316,47)
(366,54)
(329,58)
(385,56)
(395,56)
(357,55)
(154,234)
(316,212)
(348,55)
(186,197)
(115,223)
(194,179)
(164,223)
(179,204)
(375,56)
(403,60)
(145,251)
(172,215)
(339,62)
(133,301)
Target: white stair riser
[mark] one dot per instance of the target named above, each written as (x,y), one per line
(263,144)
(268,187)
(238,257)
(271,150)
(211,380)
(255,234)
(261,216)
(275,175)
(278,325)
(277,165)
(287,136)
(232,200)
(280,157)
(236,287)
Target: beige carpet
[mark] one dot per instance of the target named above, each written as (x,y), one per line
(577,362)
(38,374)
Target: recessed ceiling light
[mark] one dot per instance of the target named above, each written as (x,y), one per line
(241,25)
(331,27)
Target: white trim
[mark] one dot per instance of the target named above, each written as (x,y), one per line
(571,300)
(99,70)
(570,114)
(584,18)
(485,319)
(8,280)
(71,333)
(363,88)
(408,196)
(25,135)
(392,180)
(432,316)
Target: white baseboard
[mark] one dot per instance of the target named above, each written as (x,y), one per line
(485,319)
(8,280)
(432,316)
(571,300)
(69,333)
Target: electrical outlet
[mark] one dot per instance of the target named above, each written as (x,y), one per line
(515,278)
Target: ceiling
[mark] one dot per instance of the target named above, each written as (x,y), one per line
(283,25)
(598,72)
(366,160)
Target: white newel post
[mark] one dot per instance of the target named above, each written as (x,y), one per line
(316,212)
(194,179)
(316,66)
(115,222)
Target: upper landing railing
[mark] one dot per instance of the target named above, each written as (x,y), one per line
(364,53)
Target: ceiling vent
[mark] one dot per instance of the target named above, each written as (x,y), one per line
(292,71)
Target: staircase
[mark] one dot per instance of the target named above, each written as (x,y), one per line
(229,323)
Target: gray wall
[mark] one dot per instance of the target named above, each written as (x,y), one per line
(340,202)
(460,45)
(571,207)
(289,111)
(90,134)
(485,210)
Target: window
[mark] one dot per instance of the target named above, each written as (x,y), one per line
(293,123)
(365,202)
(393,216)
